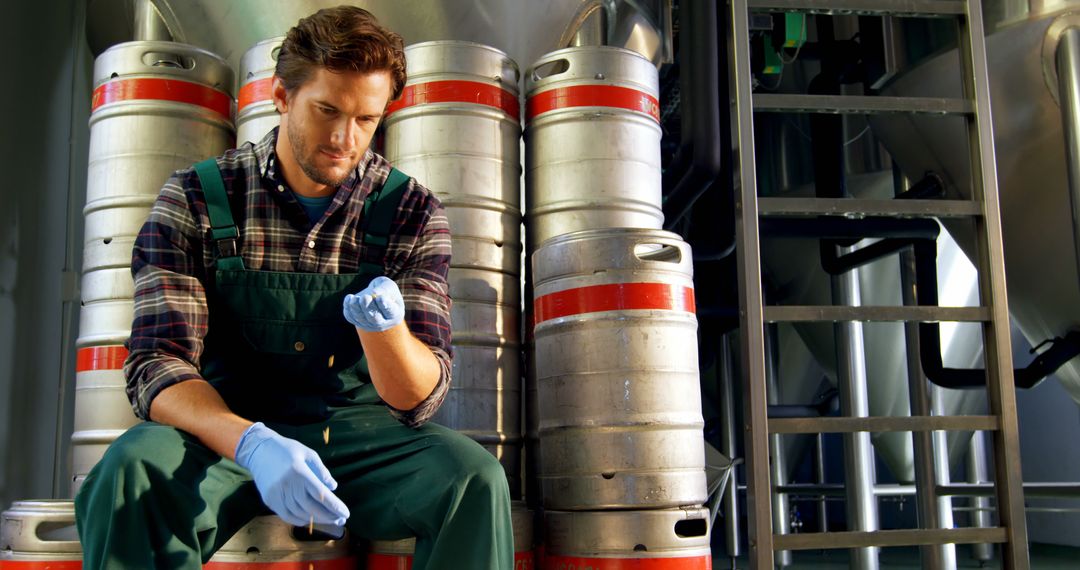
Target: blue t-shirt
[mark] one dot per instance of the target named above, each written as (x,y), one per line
(315,207)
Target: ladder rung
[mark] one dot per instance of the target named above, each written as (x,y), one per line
(770,206)
(886,538)
(883,424)
(923,8)
(839,313)
(860,104)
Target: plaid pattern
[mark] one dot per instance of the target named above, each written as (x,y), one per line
(174,254)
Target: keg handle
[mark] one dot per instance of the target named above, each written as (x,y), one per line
(550,69)
(166,59)
(656,251)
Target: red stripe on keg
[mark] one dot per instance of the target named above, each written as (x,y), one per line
(377,561)
(592,96)
(255,92)
(348,563)
(100,358)
(614,297)
(41,565)
(578,563)
(157,89)
(457,91)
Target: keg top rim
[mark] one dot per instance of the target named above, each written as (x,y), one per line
(463,43)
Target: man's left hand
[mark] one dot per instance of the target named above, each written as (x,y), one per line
(377,308)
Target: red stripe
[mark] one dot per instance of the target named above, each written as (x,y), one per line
(41,565)
(157,89)
(100,358)
(592,96)
(578,563)
(456,91)
(348,563)
(389,561)
(614,297)
(255,92)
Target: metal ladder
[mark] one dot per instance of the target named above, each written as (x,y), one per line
(983,209)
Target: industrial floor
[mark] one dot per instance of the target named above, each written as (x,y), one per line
(1043,557)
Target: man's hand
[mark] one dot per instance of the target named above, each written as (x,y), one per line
(377,308)
(291,478)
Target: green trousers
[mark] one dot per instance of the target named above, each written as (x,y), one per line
(160,499)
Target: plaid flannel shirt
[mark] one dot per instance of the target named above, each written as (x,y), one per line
(173,255)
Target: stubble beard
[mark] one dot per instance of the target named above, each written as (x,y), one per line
(301,153)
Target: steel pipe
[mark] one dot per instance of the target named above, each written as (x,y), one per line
(1068,66)
(728,432)
(778,465)
(149,26)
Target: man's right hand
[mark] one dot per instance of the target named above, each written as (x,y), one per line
(291,478)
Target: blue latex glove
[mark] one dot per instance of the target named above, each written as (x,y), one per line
(377,308)
(291,478)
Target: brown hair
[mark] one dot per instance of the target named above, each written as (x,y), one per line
(345,38)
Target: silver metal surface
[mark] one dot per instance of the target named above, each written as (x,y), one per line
(796,313)
(102,413)
(774,206)
(1068,67)
(628,535)
(878,424)
(751,318)
(256,114)
(619,395)
(778,468)
(855,104)
(268,539)
(820,478)
(148,23)
(728,443)
(977,472)
(864,7)
(468,153)
(929,505)
(886,538)
(591,167)
(859,472)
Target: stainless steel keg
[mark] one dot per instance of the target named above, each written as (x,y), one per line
(255,111)
(40,534)
(157,107)
(456,130)
(592,143)
(617,371)
(269,543)
(615,540)
(398,554)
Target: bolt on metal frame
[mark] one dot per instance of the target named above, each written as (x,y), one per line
(983,209)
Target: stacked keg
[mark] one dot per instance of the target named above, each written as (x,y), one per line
(398,554)
(617,404)
(456,130)
(157,107)
(256,114)
(39,534)
(269,543)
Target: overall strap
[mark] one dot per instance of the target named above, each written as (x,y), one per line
(380,207)
(222,227)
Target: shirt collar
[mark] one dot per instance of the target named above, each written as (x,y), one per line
(267,161)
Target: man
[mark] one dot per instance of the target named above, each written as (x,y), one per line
(291,339)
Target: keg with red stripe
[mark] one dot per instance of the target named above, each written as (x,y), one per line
(592,143)
(617,371)
(455,128)
(39,535)
(670,539)
(398,554)
(157,107)
(269,543)
(255,111)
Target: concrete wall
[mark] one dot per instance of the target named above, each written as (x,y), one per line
(43,149)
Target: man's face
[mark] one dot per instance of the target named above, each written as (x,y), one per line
(330,120)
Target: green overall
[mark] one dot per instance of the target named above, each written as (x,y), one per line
(279,351)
